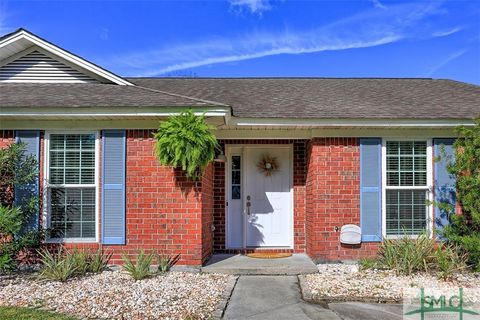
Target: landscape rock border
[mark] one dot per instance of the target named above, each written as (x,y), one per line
(225,298)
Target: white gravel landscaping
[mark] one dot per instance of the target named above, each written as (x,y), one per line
(346,283)
(115,295)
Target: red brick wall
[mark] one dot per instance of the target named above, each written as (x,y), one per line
(207,193)
(333,198)
(219,206)
(7,137)
(299,174)
(164,208)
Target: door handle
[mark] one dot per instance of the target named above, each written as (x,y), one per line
(248,207)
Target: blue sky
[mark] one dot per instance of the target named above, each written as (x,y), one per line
(253,38)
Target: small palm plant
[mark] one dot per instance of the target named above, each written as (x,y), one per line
(140,269)
(186,141)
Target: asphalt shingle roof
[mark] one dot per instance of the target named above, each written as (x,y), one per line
(330,98)
(89,95)
(266,97)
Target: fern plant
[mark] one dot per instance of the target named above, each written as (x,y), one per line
(186,141)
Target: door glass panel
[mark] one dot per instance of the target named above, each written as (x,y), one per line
(236,178)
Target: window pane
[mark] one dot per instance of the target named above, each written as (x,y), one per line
(236,177)
(72,142)
(72,176)
(406,211)
(72,213)
(56,175)
(406,163)
(72,159)
(57,142)
(236,162)
(236,192)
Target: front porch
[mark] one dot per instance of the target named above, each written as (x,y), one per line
(243,265)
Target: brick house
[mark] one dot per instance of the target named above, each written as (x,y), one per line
(347,151)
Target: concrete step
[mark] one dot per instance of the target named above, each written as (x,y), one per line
(243,265)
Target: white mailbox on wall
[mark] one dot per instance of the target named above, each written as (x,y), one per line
(351,234)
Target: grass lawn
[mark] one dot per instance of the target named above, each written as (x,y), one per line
(14,313)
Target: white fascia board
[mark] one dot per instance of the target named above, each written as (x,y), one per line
(82,63)
(110,112)
(312,123)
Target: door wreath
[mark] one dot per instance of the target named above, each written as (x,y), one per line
(268,165)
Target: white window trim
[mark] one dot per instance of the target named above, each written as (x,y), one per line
(46,185)
(429,186)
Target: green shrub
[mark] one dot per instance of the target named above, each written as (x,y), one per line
(98,261)
(11,220)
(164,263)
(464,230)
(448,259)
(6,262)
(186,141)
(58,266)
(79,258)
(63,265)
(16,169)
(368,263)
(406,255)
(140,269)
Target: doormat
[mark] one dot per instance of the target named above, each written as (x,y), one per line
(268,255)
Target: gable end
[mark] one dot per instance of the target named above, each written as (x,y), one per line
(38,67)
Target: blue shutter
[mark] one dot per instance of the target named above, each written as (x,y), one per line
(113,190)
(371,189)
(444,182)
(24,193)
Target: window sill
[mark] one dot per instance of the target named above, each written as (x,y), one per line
(71,240)
(400,236)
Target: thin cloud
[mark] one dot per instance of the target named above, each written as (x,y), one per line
(276,50)
(368,29)
(448,32)
(378,4)
(451,57)
(104,33)
(254,6)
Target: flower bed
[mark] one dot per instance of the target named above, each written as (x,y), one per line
(342,282)
(115,295)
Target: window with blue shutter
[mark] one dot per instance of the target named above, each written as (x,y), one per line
(444,182)
(113,190)
(24,193)
(370,189)
(71,186)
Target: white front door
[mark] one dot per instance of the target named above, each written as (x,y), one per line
(268,198)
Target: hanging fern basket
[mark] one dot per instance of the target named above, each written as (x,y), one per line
(186,141)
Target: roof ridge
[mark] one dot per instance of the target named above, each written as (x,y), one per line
(182,96)
(280,78)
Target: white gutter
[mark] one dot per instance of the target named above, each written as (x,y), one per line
(109,112)
(309,123)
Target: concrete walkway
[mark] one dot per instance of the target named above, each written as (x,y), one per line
(367,311)
(243,265)
(268,297)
